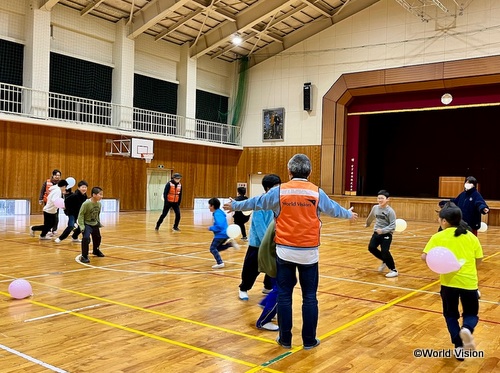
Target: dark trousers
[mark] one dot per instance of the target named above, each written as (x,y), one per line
(470,306)
(287,279)
(270,305)
(218,244)
(166,208)
(242,227)
(251,270)
(89,231)
(384,241)
(71,225)
(48,223)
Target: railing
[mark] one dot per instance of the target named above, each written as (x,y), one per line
(54,106)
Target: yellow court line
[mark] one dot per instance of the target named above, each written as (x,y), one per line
(158,313)
(356,321)
(148,335)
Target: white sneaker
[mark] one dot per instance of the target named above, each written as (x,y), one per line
(243,295)
(270,326)
(76,240)
(467,339)
(234,244)
(382,267)
(32,232)
(57,240)
(217,266)
(45,237)
(51,234)
(392,273)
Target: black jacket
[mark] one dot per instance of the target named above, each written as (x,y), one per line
(73,203)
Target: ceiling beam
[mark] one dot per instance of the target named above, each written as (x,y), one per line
(309,30)
(49,4)
(317,7)
(245,20)
(178,24)
(92,5)
(153,13)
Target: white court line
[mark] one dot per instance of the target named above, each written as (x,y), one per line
(33,360)
(391,286)
(61,313)
(113,269)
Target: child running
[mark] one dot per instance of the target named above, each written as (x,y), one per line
(221,240)
(385,223)
(459,286)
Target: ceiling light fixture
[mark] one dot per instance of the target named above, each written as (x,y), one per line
(237,40)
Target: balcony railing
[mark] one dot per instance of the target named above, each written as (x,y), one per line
(32,103)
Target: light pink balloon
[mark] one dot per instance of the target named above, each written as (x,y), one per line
(441,260)
(59,203)
(20,289)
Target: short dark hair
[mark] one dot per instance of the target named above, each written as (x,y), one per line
(472,180)
(214,202)
(82,182)
(96,190)
(62,183)
(383,192)
(270,180)
(242,190)
(56,171)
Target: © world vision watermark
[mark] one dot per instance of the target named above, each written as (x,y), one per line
(459,353)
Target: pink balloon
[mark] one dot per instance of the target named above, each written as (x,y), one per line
(441,260)
(20,289)
(59,203)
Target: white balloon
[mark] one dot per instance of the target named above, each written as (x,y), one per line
(71,182)
(483,228)
(247,213)
(400,225)
(233,231)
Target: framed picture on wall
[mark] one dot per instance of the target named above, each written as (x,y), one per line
(273,124)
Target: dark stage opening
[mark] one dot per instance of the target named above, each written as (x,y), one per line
(407,152)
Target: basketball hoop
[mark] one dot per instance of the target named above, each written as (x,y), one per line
(147,157)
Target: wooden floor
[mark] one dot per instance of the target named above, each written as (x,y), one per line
(154,304)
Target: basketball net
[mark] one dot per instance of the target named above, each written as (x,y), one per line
(147,157)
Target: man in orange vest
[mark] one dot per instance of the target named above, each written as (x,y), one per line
(172,196)
(297,205)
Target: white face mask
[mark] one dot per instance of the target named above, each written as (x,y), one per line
(468,186)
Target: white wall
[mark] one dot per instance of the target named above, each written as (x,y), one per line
(12,20)
(383,36)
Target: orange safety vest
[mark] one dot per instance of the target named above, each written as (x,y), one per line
(48,184)
(298,223)
(174,192)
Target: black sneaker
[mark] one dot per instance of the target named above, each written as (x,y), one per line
(98,253)
(157,228)
(176,229)
(84,260)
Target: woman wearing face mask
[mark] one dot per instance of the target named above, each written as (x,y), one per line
(472,204)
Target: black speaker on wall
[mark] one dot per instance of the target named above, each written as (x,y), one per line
(307,96)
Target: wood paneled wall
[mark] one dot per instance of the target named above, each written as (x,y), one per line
(29,153)
(274,160)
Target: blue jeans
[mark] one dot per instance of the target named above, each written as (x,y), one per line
(287,279)
(470,307)
(69,229)
(216,246)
